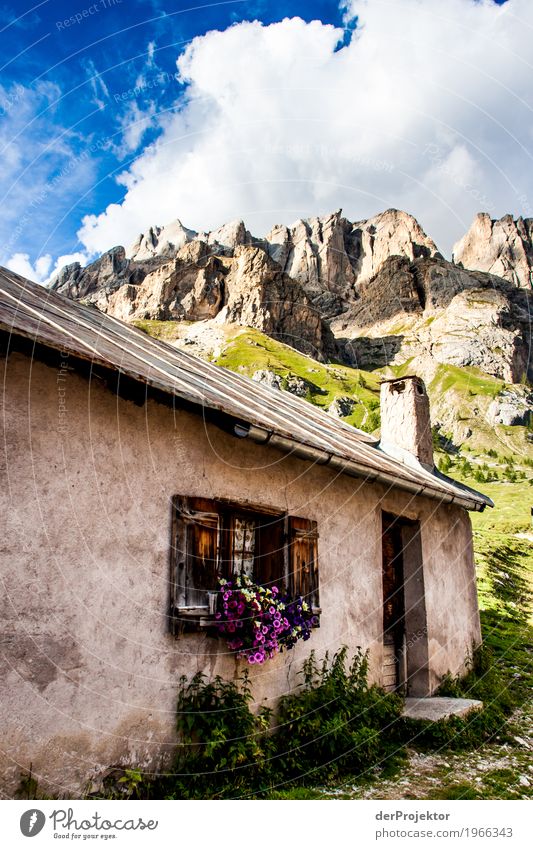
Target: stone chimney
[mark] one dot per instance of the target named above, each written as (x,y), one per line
(405,420)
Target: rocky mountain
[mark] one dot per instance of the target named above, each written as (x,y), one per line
(331,256)
(371,294)
(245,287)
(432,308)
(167,241)
(323,254)
(503,247)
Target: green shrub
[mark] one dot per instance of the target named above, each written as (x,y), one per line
(445,463)
(337,724)
(372,422)
(223,746)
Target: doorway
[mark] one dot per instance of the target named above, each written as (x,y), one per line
(405,637)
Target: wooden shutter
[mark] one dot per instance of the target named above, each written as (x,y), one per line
(195,551)
(303,559)
(270,562)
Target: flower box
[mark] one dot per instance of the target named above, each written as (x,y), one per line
(258,622)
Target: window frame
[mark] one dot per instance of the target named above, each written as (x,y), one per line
(197,616)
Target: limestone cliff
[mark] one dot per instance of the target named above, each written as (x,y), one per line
(246,287)
(503,247)
(434,309)
(331,254)
(379,286)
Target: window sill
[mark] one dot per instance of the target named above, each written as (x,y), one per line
(200,619)
(196,617)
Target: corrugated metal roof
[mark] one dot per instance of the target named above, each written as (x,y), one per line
(34,312)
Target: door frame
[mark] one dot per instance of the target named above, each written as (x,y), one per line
(413,657)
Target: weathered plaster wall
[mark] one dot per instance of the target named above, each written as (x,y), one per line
(89,671)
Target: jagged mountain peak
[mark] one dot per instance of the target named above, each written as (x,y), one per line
(501,246)
(161,241)
(167,240)
(327,275)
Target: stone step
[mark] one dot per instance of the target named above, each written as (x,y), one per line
(439,707)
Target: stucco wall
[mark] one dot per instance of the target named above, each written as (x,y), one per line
(89,671)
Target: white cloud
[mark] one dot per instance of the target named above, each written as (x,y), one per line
(43,269)
(134,123)
(21,264)
(427,109)
(98,87)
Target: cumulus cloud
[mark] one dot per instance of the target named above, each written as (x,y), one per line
(134,124)
(21,264)
(44,269)
(428,109)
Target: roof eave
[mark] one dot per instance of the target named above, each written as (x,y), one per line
(262,436)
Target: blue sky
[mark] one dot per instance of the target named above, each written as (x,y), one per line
(378,103)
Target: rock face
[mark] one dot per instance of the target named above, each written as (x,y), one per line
(267,378)
(246,287)
(291,383)
(161,241)
(342,406)
(259,294)
(333,255)
(432,307)
(329,256)
(168,240)
(511,407)
(371,293)
(503,247)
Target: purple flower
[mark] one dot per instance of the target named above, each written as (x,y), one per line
(266,623)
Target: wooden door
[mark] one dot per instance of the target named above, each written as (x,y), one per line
(393,607)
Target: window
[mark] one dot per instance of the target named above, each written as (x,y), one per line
(212,539)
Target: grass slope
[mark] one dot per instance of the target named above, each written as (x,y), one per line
(491,451)
(251,351)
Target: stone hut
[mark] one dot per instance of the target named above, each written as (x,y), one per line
(134,474)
